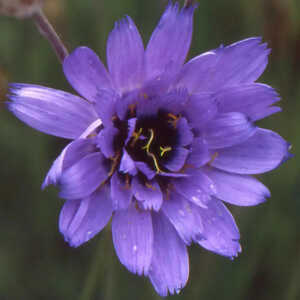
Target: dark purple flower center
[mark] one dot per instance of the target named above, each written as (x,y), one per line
(153,141)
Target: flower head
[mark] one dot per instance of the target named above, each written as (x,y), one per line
(158,144)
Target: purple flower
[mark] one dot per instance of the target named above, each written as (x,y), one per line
(158,144)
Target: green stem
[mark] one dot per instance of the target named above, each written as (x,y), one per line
(92,277)
(47,30)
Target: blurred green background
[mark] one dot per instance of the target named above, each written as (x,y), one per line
(35,262)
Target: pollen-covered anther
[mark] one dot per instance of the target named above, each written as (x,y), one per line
(115,162)
(136,136)
(174,119)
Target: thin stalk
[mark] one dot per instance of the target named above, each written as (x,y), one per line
(47,30)
(92,278)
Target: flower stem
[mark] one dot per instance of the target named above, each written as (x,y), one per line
(47,30)
(91,279)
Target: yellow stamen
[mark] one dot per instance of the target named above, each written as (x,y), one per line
(158,170)
(147,146)
(164,150)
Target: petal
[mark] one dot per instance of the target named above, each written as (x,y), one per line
(133,239)
(220,231)
(170,41)
(127,102)
(51,111)
(176,159)
(71,154)
(197,188)
(241,62)
(173,101)
(84,177)
(193,73)
(169,270)
(105,105)
(199,153)
(81,220)
(148,193)
(184,216)
(106,139)
(200,109)
(125,55)
(131,129)
(127,164)
(253,100)
(143,167)
(236,189)
(86,73)
(185,135)
(228,129)
(262,152)
(121,193)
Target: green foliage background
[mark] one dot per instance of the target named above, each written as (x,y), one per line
(35,262)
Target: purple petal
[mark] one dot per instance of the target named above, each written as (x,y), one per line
(51,111)
(200,109)
(148,193)
(125,55)
(177,159)
(199,154)
(81,220)
(106,140)
(253,100)
(220,231)
(105,105)
(127,164)
(185,135)
(121,193)
(161,83)
(143,167)
(84,177)
(228,129)
(236,189)
(173,101)
(170,41)
(131,129)
(72,153)
(241,62)
(133,239)
(193,73)
(169,270)
(197,188)
(125,102)
(86,73)
(184,216)
(262,152)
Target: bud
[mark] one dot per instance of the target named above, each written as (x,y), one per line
(20,8)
